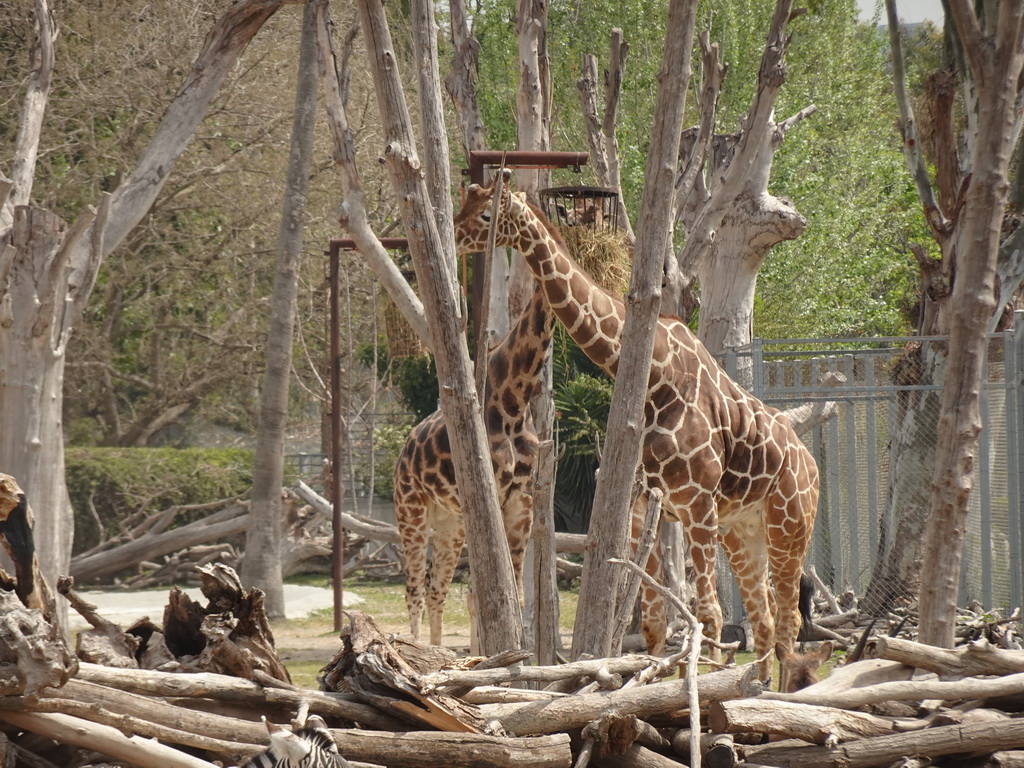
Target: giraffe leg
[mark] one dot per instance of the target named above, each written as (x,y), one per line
(790,524)
(517,516)
(699,518)
(745,544)
(653,611)
(413,530)
(449,536)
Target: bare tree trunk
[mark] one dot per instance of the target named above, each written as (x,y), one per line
(604,146)
(995,57)
(611,517)
(461,81)
(262,564)
(729,235)
(937,434)
(49,273)
(433,257)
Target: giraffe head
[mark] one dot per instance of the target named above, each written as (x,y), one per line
(473,221)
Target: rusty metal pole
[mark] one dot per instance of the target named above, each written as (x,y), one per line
(337,495)
(337,488)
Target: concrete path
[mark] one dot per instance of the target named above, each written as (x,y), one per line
(126,607)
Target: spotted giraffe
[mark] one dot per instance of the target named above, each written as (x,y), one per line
(426,497)
(731,468)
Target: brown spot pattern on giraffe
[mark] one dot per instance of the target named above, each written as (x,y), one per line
(732,468)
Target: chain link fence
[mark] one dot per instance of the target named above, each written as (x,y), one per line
(876,455)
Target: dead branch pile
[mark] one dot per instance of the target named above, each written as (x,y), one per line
(387,702)
(392,702)
(149,552)
(909,705)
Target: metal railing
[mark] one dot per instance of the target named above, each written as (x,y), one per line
(857,448)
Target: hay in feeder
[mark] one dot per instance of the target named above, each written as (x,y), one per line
(603,254)
(403,341)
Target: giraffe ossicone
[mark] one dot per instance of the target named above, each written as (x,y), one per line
(731,468)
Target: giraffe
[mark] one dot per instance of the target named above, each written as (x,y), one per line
(731,468)
(425,493)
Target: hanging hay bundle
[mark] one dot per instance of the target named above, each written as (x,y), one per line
(403,341)
(604,254)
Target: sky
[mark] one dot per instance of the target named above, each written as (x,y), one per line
(909,11)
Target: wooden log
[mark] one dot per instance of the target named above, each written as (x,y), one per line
(32,648)
(861,675)
(975,658)
(422,749)
(103,739)
(885,750)
(622,665)
(636,756)
(140,724)
(718,750)
(490,694)
(1009,759)
(564,542)
(572,712)
(814,724)
(914,690)
(236,690)
(368,666)
(228,522)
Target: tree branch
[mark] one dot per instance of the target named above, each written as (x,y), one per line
(30,123)
(352,212)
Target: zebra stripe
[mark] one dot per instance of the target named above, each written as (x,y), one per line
(311,746)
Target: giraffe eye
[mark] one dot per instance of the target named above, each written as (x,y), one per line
(486,216)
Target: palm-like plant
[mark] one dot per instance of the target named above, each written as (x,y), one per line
(582,398)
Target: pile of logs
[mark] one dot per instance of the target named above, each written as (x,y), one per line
(392,702)
(149,552)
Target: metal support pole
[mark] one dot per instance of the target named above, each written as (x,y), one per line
(337,488)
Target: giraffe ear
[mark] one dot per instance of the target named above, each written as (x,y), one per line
(520,195)
(473,188)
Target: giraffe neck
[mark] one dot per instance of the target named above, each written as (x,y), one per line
(515,366)
(591,315)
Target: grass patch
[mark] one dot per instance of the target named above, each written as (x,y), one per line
(304,673)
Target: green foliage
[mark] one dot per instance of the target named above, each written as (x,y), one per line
(581,415)
(848,274)
(107,485)
(388,441)
(415,377)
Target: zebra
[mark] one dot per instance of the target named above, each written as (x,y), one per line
(310,746)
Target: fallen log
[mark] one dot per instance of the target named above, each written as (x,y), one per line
(860,675)
(208,685)
(422,749)
(33,654)
(571,712)
(975,658)
(564,542)
(717,750)
(227,522)
(622,665)
(104,739)
(370,667)
(984,738)
(914,690)
(635,756)
(814,724)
